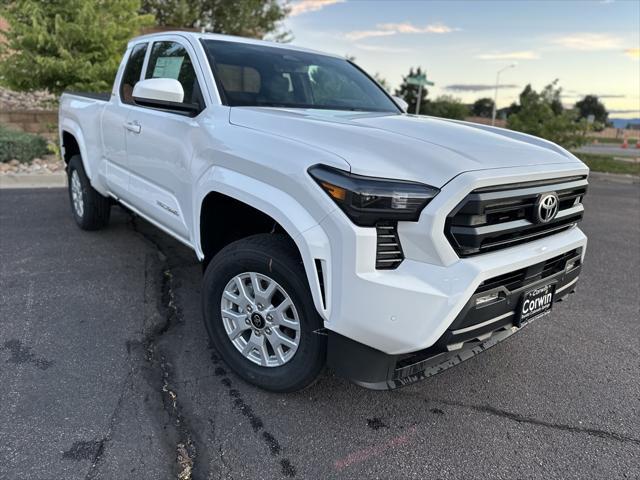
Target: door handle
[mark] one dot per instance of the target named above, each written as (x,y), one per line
(133,127)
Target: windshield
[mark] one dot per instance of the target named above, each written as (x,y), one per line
(255,75)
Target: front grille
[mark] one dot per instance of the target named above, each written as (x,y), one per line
(493,218)
(389,251)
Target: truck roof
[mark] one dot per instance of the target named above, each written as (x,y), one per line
(195,36)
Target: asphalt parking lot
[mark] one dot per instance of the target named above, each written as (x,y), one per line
(106,372)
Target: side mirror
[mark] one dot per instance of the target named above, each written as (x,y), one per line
(159,89)
(401,103)
(164,94)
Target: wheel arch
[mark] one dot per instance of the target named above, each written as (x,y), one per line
(72,143)
(224,188)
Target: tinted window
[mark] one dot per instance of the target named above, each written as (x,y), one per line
(132,72)
(171,60)
(257,75)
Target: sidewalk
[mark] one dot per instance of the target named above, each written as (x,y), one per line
(31,180)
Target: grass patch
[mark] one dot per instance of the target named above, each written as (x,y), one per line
(608,164)
(616,141)
(613,141)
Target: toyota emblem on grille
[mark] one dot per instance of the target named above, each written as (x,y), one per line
(546,207)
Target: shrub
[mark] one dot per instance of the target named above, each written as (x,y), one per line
(20,146)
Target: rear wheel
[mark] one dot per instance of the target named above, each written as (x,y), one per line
(260,315)
(90,209)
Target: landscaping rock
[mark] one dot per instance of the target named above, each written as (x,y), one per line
(38,100)
(38,166)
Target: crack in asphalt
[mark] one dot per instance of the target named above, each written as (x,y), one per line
(94,450)
(158,359)
(186,436)
(488,409)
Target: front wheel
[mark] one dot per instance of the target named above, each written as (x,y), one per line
(260,315)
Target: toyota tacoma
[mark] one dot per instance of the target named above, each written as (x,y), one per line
(333,227)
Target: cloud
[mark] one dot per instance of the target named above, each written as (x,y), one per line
(386,29)
(573,93)
(304,6)
(632,52)
(519,55)
(360,34)
(407,27)
(624,111)
(588,41)
(476,87)
(381,48)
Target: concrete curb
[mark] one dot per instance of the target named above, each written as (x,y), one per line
(26,180)
(615,178)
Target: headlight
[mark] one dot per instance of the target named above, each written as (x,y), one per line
(368,200)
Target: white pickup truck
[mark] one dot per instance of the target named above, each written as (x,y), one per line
(334,228)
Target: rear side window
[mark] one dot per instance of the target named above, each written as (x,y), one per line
(171,60)
(132,72)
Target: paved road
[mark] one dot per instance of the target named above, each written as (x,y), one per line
(609,149)
(106,372)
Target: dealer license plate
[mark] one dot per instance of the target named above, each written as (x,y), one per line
(536,303)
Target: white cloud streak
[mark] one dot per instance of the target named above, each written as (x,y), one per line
(304,6)
(519,55)
(381,48)
(589,41)
(386,29)
(477,87)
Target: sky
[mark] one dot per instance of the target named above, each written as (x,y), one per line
(592,47)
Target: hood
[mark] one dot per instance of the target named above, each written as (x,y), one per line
(422,149)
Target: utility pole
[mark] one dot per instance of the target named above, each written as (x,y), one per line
(495,95)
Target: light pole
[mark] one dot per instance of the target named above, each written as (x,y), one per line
(495,95)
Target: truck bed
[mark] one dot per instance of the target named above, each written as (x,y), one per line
(102,96)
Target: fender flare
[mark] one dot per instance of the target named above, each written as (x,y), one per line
(312,243)
(70,126)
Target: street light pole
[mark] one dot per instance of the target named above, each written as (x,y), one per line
(495,94)
(419,98)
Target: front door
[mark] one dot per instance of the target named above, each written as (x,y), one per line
(159,149)
(114,118)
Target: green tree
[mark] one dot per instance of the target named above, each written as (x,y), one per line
(66,44)
(409,93)
(538,115)
(591,105)
(246,18)
(483,107)
(446,106)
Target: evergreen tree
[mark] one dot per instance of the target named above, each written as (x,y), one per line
(483,107)
(246,18)
(66,44)
(539,115)
(591,105)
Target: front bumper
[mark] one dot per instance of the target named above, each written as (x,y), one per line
(475,329)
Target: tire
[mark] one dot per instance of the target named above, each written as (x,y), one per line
(90,209)
(269,259)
